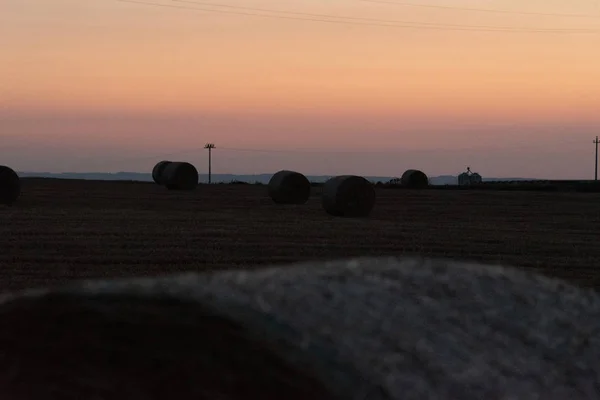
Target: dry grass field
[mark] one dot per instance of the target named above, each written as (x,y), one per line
(62,230)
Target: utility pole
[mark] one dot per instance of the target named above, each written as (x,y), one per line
(596,168)
(211,146)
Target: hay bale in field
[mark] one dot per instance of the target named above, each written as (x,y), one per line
(289,187)
(180,176)
(414,179)
(158,172)
(10,185)
(368,328)
(348,196)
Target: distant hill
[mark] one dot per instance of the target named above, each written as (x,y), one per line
(260,178)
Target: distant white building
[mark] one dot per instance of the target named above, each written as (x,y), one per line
(469,178)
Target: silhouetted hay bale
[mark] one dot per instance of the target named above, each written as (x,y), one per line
(348,196)
(289,187)
(414,179)
(367,328)
(10,185)
(131,347)
(180,176)
(158,172)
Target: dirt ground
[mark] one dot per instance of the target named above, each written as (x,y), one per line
(62,230)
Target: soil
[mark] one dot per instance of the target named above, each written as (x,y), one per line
(61,230)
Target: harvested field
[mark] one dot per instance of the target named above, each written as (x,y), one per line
(61,230)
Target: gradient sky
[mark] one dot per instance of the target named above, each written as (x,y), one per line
(104,85)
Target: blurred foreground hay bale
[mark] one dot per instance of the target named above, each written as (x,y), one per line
(372,328)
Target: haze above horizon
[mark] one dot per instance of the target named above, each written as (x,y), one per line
(324,87)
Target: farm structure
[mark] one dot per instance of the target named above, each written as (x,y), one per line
(117,229)
(469,178)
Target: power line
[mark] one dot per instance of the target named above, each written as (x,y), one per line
(164,155)
(256,150)
(350,18)
(414,25)
(486,10)
(156,4)
(250,150)
(305,151)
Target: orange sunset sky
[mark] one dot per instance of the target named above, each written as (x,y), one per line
(106,85)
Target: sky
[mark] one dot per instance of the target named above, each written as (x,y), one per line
(107,86)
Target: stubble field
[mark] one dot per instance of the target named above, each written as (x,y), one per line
(62,230)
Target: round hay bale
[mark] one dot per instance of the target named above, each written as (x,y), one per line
(348,196)
(10,185)
(200,354)
(158,170)
(260,333)
(414,179)
(180,176)
(289,187)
